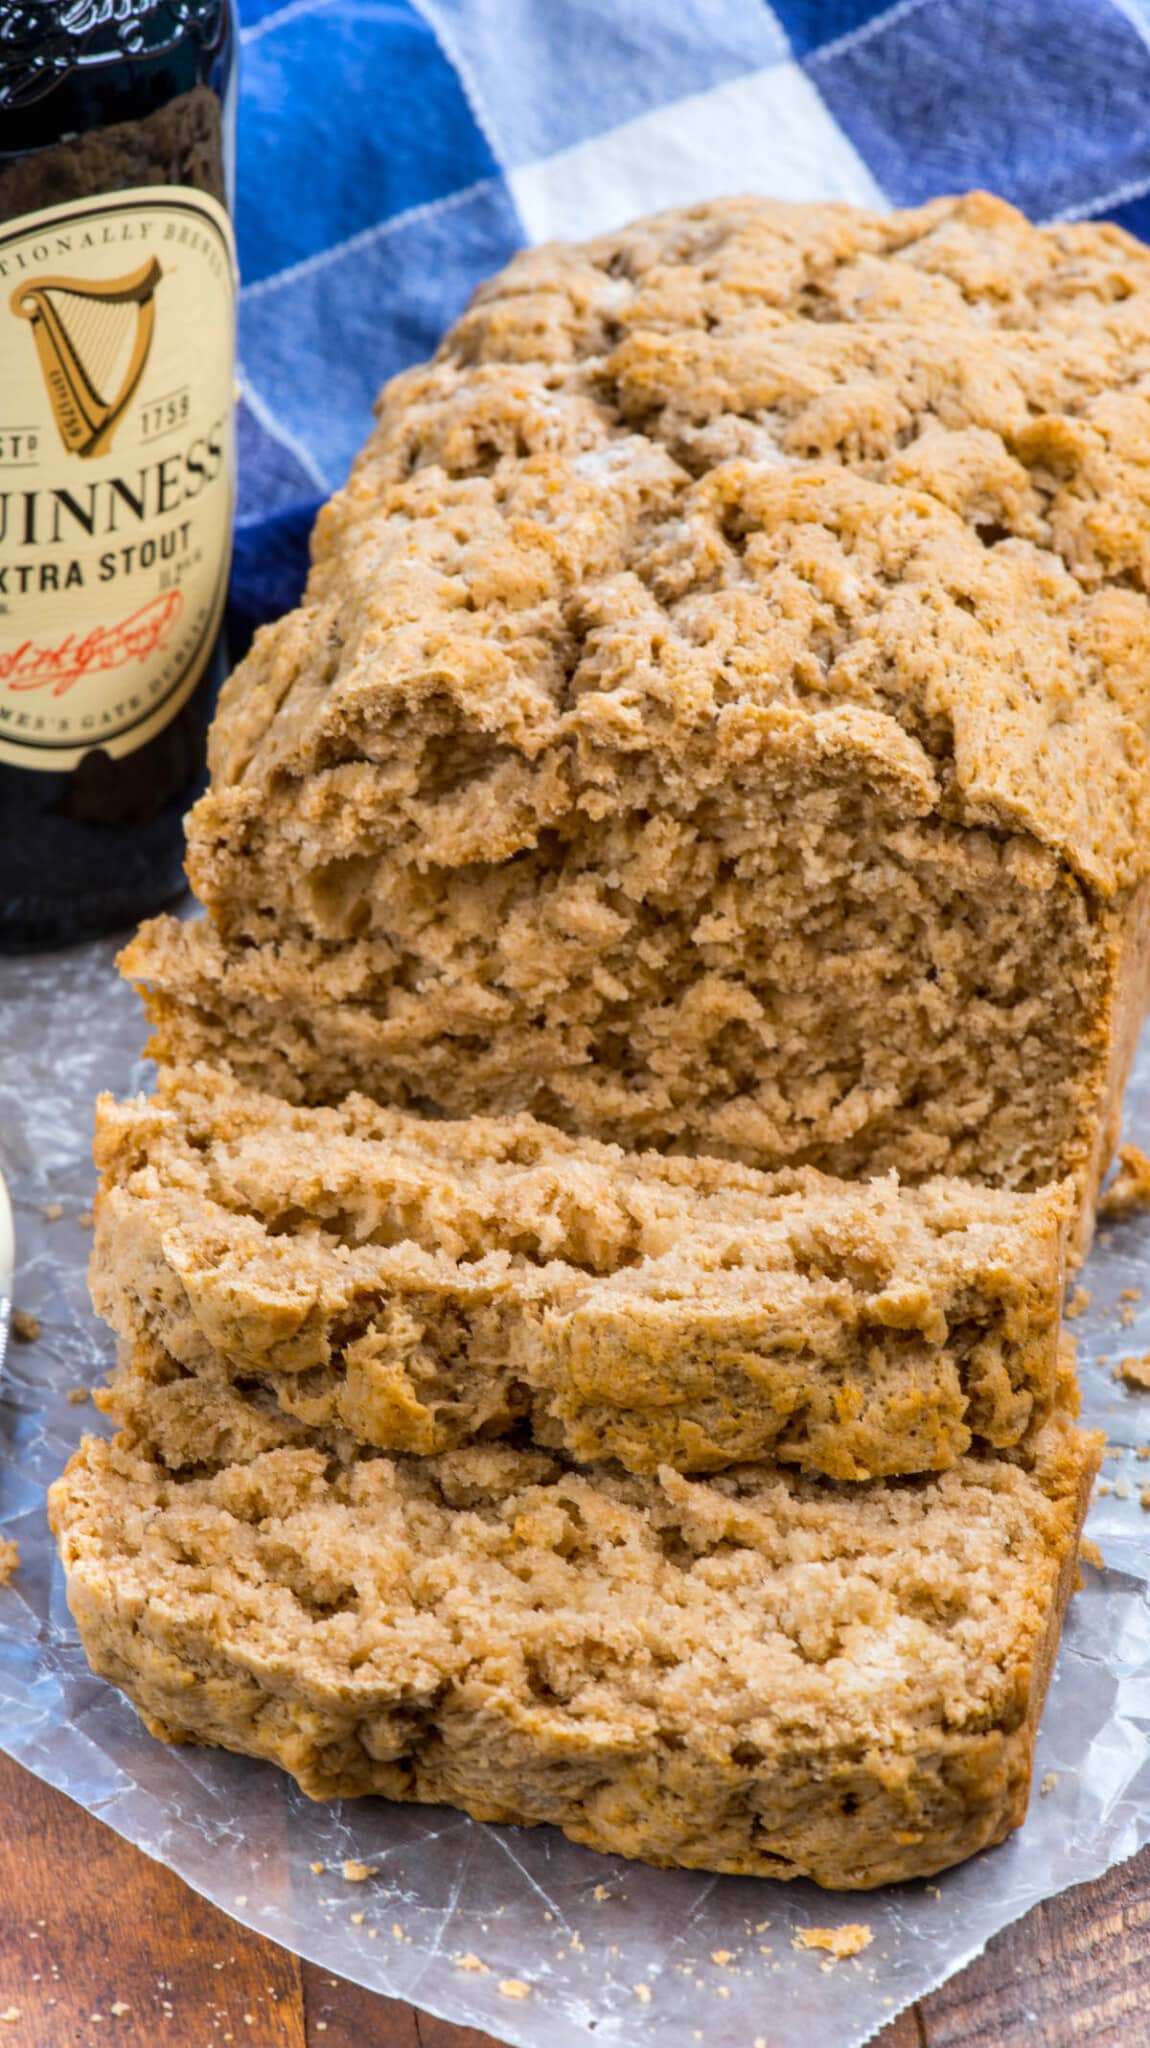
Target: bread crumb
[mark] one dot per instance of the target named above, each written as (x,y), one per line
(848,1940)
(1089,1550)
(600,1892)
(470,1962)
(25,1326)
(1144,1499)
(86,1218)
(10,2015)
(514,1987)
(357,1919)
(1121,1489)
(1130,1294)
(1080,1300)
(355,1873)
(317,1869)
(52,1212)
(9,1558)
(1130,1188)
(1135,1371)
(722,1955)
(643,1993)
(1126,1314)
(118,2008)
(723,1990)
(1048,1784)
(75,1395)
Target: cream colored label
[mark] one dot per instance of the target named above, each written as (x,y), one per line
(117,351)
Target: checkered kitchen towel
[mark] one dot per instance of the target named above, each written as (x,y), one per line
(394,152)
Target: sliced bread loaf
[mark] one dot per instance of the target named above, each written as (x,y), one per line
(717,717)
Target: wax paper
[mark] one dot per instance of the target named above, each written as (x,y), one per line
(517,1931)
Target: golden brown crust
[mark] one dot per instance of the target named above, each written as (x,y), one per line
(422,1284)
(745,455)
(754,1673)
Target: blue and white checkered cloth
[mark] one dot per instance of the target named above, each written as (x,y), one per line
(394,152)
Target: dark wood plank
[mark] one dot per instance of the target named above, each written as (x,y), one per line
(353,2018)
(1075,1970)
(89,1925)
(905,2032)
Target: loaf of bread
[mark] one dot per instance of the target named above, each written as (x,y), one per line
(422,1285)
(717,716)
(755,1672)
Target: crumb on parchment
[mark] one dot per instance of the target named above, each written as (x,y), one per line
(355,1873)
(1135,1371)
(470,1962)
(25,1326)
(848,1940)
(9,1558)
(1130,1188)
(1079,1302)
(1089,1552)
(75,1396)
(52,1212)
(1048,1784)
(514,1987)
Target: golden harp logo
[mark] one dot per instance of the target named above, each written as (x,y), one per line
(92,337)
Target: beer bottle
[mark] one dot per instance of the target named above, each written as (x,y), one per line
(117,350)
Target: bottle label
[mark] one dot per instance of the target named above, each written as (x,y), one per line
(117,352)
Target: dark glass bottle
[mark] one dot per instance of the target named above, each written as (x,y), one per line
(117,320)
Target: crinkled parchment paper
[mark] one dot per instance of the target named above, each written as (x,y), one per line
(611,1952)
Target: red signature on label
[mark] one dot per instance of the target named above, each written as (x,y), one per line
(58,668)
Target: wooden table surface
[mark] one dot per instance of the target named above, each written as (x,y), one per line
(101,1948)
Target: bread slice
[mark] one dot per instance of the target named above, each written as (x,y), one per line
(755,1672)
(717,717)
(421,1284)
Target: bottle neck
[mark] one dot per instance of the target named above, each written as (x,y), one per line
(66,70)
